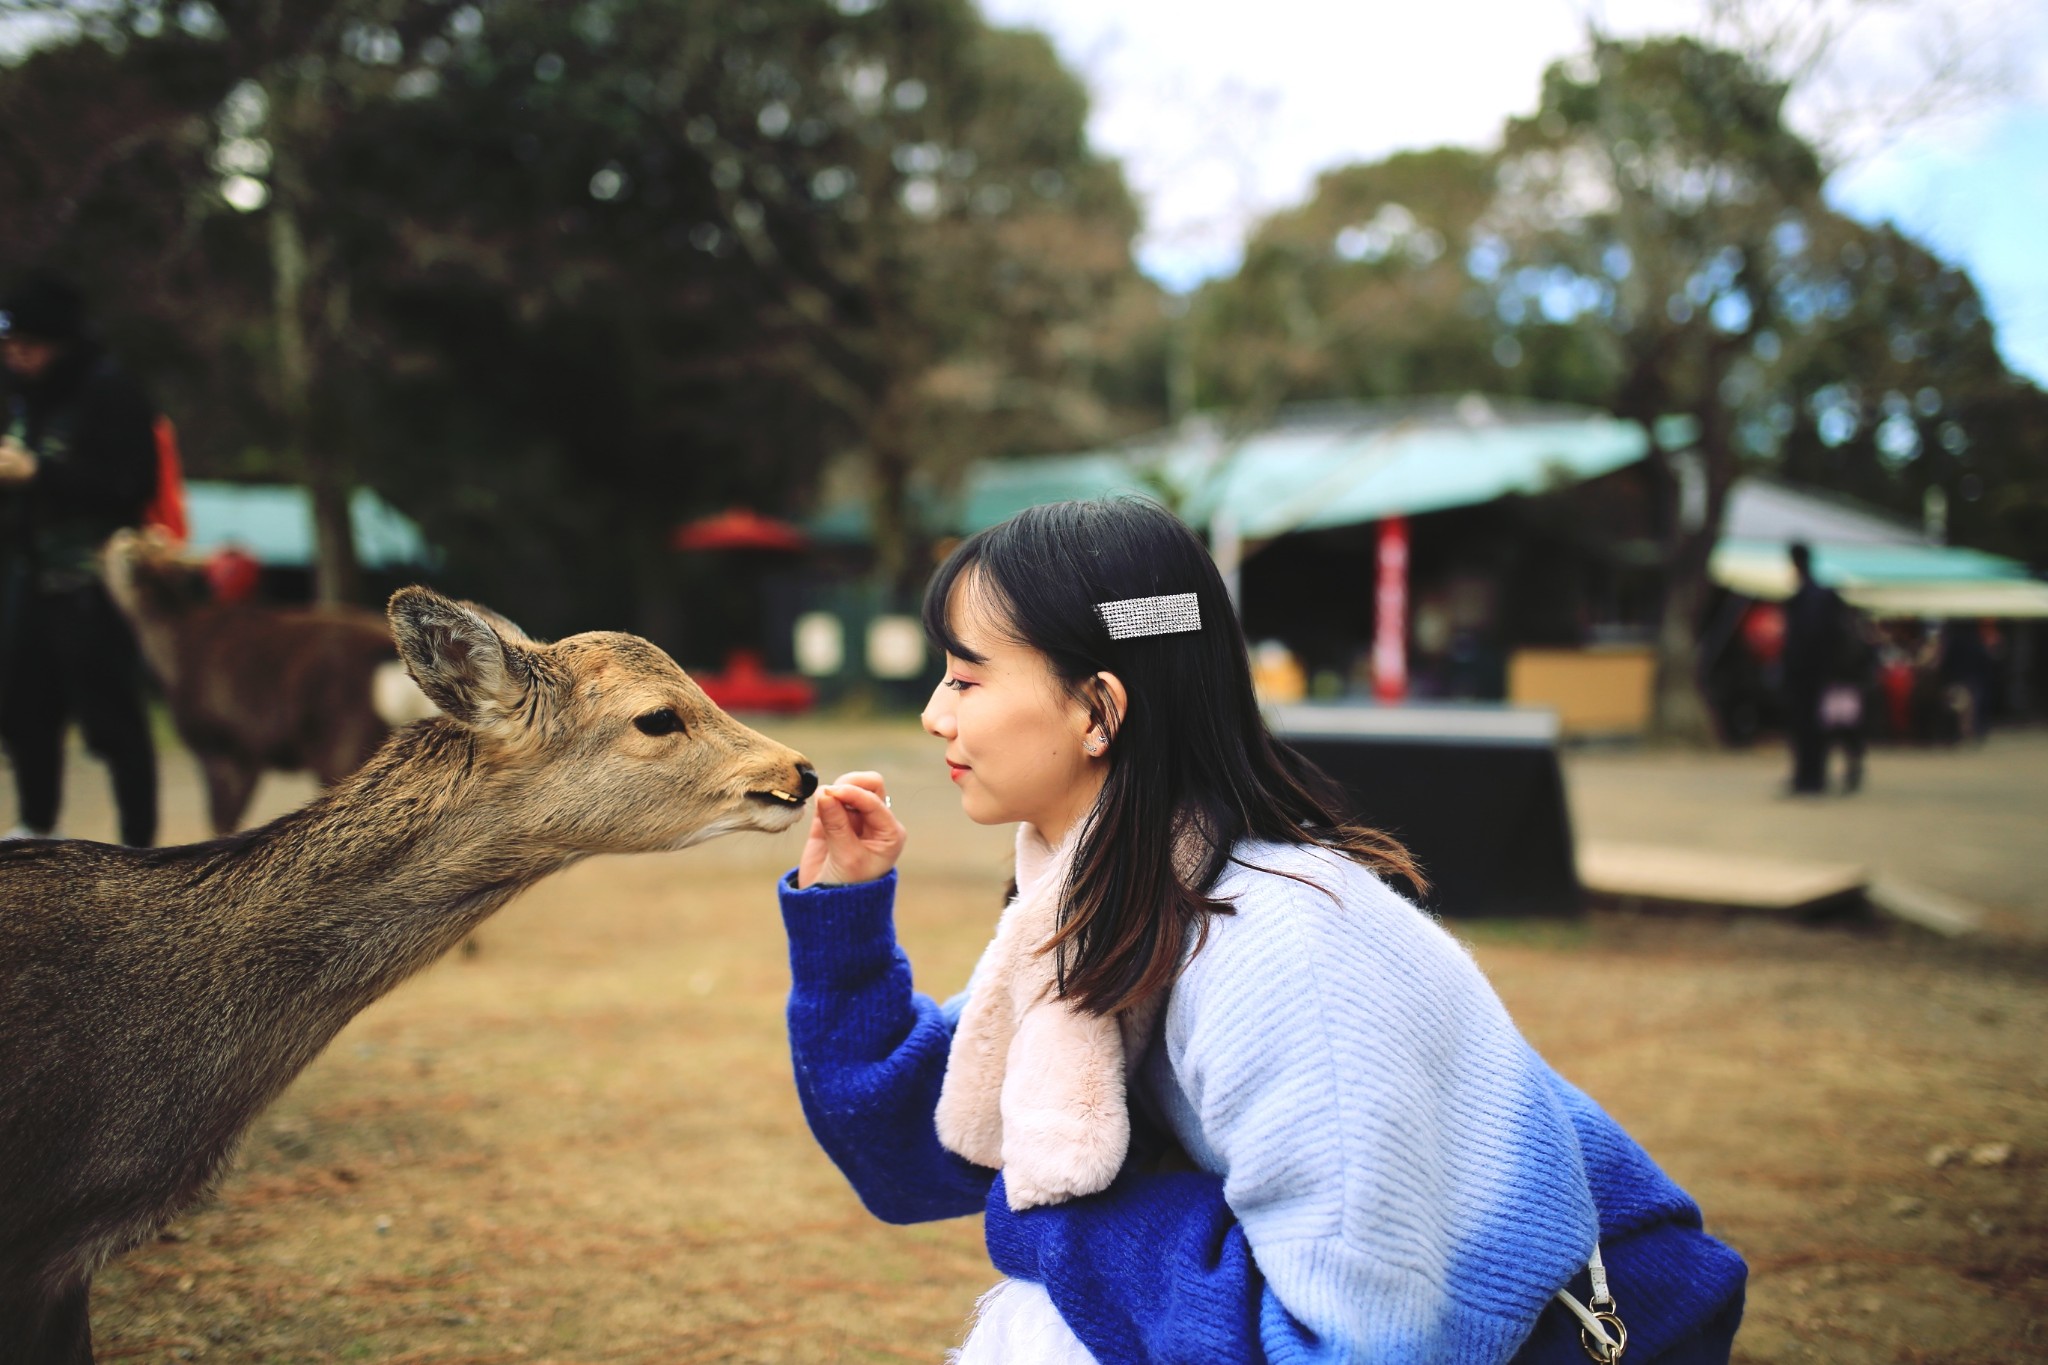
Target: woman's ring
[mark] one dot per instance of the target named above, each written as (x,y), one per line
(885,803)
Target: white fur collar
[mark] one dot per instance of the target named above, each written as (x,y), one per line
(1033,1085)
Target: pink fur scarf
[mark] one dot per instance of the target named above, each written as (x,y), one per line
(1034,1086)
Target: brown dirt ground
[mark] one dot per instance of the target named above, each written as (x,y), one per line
(581,1143)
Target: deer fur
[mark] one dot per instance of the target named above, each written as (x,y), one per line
(252,686)
(154,1001)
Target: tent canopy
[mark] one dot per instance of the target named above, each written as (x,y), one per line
(1880,564)
(1327,467)
(274,522)
(1889,580)
(1317,468)
(738,528)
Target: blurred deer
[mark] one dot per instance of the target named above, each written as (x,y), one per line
(252,687)
(152,1002)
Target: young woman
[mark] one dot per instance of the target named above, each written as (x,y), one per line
(1364,1161)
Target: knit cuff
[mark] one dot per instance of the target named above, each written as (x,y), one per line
(839,936)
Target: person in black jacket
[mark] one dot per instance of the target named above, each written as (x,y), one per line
(78,461)
(1824,675)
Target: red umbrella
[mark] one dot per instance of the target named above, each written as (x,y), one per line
(738,528)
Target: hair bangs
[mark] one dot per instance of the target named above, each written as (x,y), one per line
(982,595)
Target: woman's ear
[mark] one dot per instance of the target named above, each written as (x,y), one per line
(1111,702)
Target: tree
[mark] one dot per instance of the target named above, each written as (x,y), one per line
(1361,292)
(778,235)
(561,275)
(1890,389)
(1658,189)
(293,72)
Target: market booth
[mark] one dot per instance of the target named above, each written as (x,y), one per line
(1925,597)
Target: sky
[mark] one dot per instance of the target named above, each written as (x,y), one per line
(1224,110)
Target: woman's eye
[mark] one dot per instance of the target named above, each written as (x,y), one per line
(662,722)
(958,684)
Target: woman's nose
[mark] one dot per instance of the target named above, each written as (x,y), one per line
(937,717)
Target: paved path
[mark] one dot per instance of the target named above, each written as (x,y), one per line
(1971,823)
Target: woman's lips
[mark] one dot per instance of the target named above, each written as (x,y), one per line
(954,770)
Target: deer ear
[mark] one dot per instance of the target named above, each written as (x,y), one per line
(508,630)
(458,657)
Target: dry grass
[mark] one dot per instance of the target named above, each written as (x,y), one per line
(581,1144)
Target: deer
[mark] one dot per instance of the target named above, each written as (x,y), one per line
(154,1001)
(254,687)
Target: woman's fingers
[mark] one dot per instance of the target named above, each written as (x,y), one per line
(859,798)
(864,781)
(854,836)
(872,820)
(866,796)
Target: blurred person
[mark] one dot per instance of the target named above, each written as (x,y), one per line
(1969,672)
(78,462)
(1218,1090)
(1896,652)
(1819,665)
(1845,698)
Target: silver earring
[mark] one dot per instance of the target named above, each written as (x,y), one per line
(1095,744)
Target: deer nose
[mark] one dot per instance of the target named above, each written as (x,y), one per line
(806,780)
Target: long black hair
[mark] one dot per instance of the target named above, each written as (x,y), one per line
(1192,767)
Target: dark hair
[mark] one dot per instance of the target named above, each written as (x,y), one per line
(1192,760)
(1802,558)
(44,306)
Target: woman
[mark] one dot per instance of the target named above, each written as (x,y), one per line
(1383,1170)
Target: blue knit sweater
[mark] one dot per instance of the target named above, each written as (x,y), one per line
(1388,1171)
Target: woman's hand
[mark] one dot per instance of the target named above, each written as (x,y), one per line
(855,837)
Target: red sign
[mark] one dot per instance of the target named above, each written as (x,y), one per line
(1390,613)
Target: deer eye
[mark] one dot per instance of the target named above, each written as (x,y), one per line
(662,722)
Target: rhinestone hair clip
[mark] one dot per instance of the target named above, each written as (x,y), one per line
(1136,616)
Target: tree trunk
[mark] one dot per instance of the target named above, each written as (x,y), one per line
(890,461)
(657,603)
(336,575)
(334,552)
(1680,713)
(892,517)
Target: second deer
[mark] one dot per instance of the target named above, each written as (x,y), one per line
(254,687)
(152,1002)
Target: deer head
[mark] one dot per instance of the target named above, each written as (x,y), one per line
(147,574)
(153,583)
(602,743)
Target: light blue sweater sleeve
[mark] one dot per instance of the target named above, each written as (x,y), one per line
(1407,1179)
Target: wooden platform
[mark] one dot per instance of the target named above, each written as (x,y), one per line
(1692,877)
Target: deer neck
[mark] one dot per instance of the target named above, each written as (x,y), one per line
(156,630)
(369,884)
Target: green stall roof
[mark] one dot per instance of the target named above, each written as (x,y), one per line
(1327,469)
(1889,580)
(274,522)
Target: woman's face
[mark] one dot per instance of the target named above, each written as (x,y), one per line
(1014,735)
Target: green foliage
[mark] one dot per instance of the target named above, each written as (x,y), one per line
(1891,386)
(575,273)
(1363,292)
